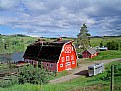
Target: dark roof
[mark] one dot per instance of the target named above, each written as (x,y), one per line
(47,51)
(92,50)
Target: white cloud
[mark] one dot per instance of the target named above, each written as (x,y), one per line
(37,16)
(8,4)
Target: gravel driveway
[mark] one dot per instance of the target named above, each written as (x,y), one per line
(81,68)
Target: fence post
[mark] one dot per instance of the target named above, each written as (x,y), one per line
(112,78)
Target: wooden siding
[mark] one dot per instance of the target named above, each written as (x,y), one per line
(33,62)
(50,66)
(86,54)
(68,58)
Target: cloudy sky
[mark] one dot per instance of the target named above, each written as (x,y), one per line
(58,18)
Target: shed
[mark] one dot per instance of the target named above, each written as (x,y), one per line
(55,56)
(90,53)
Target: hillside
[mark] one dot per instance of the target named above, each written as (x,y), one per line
(97,40)
(14,43)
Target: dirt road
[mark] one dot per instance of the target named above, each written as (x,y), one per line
(82,67)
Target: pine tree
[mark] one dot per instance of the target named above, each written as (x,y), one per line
(83,40)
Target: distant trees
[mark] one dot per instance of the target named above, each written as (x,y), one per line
(112,45)
(11,43)
(19,35)
(83,40)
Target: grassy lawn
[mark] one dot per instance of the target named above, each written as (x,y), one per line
(82,83)
(59,74)
(96,41)
(109,54)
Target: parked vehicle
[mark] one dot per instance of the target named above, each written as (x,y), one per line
(95,69)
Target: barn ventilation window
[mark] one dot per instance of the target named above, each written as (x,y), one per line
(67,49)
(51,65)
(46,64)
(67,58)
(61,65)
(73,62)
(63,59)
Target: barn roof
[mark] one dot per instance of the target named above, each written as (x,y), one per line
(92,50)
(46,51)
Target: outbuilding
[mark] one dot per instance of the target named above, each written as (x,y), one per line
(55,56)
(90,53)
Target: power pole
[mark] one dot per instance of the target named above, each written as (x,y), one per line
(112,78)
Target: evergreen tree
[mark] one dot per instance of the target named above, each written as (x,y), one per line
(83,40)
(101,44)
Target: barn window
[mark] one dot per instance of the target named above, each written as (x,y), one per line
(47,64)
(90,68)
(51,65)
(61,65)
(67,58)
(73,62)
(68,63)
(72,57)
(62,59)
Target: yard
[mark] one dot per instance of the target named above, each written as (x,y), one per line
(99,82)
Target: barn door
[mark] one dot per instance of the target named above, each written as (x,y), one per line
(68,65)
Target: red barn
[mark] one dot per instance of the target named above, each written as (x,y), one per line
(90,53)
(54,56)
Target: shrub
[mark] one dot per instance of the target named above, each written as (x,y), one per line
(33,75)
(113,45)
(7,83)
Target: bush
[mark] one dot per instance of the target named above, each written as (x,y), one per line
(33,75)
(7,83)
(113,45)
(80,55)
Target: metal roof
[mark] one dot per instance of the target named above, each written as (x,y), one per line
(92,50)
(47,51)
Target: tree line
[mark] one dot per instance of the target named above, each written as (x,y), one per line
(83,41)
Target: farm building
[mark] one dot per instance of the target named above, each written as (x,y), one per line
(90,53)
(102,48)
(55,56)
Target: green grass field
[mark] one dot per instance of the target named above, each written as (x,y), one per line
(82,83)
(109,54)
(96,41)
